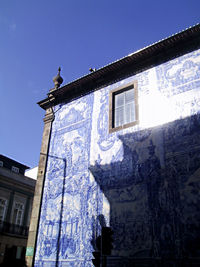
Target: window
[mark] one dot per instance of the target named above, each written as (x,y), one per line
(123,110)
(18,213)
(3,205)
(15,169)
(1,163)
(19,252)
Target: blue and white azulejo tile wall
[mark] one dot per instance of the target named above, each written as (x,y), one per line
(140,181)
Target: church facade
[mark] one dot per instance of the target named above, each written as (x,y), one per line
(121,150)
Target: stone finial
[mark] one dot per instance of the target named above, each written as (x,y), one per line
(58,79)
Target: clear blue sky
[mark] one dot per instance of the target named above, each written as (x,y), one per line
(38,36)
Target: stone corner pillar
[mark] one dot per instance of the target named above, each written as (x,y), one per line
(37,201)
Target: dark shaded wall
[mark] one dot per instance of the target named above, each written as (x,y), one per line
(154,203)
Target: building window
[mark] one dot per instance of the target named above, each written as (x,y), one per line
(19,252)
(1,163)
(15,169)
(18,213)
(123,110)
(3,205)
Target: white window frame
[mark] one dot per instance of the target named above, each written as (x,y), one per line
(112,109)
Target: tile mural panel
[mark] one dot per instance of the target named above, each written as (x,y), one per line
(143,181)
(179,75)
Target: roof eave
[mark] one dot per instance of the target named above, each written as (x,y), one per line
(147,57)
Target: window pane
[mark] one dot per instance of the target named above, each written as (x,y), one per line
(18,213)
(14,216)
(1,213)
(19,252)
(130,113)
(119,100)
(119,116)
(15,169)
(129,96)
(124,107)
(3,203)
(19,216)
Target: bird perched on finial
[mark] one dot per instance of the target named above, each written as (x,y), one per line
(58,79)
(92,69)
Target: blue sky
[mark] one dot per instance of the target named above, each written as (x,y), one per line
(38,36)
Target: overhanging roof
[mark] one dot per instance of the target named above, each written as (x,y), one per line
(157,53)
